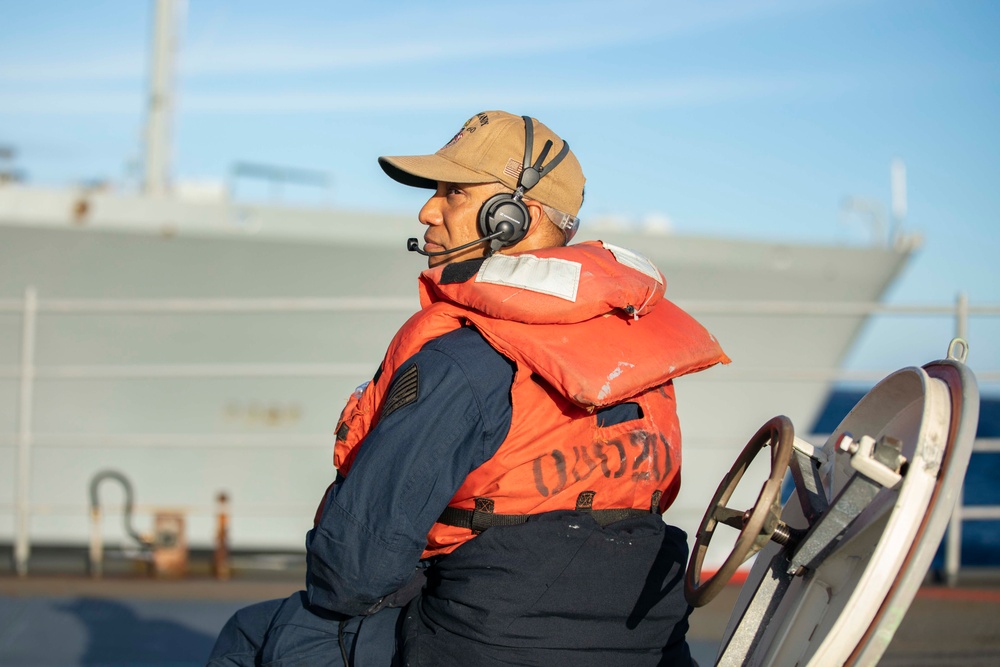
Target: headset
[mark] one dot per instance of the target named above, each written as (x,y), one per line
(504,218)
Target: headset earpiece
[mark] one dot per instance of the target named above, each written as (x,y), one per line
(508,210)
(507,215)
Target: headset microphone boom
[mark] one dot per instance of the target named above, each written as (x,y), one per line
(413,245)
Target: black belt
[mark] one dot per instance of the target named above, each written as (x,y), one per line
(482,517)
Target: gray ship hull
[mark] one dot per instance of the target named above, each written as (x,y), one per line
(218,396)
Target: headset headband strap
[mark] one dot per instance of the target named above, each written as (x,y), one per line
(529,140)
(555,161)
(531,174)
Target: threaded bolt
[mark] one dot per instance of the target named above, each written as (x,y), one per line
(783,535)
(847,444)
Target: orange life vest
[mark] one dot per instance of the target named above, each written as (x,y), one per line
(587,327)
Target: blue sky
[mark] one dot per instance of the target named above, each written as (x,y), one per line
(741,118)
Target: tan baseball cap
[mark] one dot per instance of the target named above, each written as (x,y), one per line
(488,149)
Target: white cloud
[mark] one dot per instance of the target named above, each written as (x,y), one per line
(677,93)
(653,94)
(70,103)
(658,223)
(470,34)
(130,66)
(408,36)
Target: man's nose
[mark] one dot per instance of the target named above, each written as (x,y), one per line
(430,213)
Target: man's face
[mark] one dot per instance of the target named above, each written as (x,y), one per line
(452,218)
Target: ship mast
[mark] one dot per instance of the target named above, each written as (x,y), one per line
(160,107)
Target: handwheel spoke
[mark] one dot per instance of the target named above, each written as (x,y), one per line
(775,450)
(730,517)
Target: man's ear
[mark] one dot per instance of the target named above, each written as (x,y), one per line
(537,216)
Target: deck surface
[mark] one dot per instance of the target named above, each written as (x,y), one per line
(66,621)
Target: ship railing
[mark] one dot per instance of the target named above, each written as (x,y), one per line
(27,372)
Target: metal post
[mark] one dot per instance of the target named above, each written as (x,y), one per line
(96,560)
(962,316)
(22,546)
(953,544)
(220,558)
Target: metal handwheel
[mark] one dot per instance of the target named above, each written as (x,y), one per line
(757,525)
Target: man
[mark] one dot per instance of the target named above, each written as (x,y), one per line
(501,479)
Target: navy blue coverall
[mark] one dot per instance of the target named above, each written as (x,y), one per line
(557,590)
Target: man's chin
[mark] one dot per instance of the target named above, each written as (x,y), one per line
(451,257)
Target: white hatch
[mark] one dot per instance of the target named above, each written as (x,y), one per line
(839,564)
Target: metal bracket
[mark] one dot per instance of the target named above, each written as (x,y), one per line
(769,594)
(807,461)
(879,461)
(878,464)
